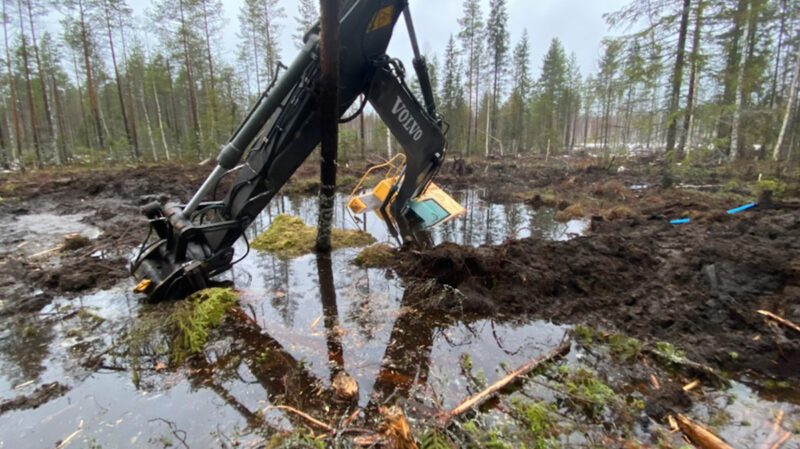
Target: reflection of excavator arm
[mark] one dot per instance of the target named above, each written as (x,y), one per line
(194,242)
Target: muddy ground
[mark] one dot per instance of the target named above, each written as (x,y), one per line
(697,286)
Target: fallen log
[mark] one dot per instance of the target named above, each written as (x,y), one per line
(484,395)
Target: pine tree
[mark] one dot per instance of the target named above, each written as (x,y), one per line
(497,52)
(520,92)
(608,85)
(471,36)
(550,96)
(307,16)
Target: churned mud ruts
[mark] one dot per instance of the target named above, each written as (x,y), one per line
(698,286)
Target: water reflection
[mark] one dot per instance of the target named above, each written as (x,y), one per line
(483,224)
(302,323)
(24,347)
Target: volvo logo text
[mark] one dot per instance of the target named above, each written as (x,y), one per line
(400,110)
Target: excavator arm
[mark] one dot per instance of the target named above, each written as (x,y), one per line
(194,242)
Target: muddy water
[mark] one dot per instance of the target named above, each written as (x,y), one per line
(32,233)
(311,319)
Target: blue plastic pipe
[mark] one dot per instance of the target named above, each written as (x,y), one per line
(681,221)
(742,208)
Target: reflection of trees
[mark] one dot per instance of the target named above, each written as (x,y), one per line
(544,225)
(330,311)
(276,278)
(407,359)
(24,345)
(362,310)
(513,221)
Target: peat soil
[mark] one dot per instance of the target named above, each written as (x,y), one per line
(697,286)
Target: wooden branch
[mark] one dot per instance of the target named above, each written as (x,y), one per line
(481,397)
(305,416)
(700,434)
(780,320)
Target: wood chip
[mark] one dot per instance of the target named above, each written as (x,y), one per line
(673,424)
(691,386)
(654,382)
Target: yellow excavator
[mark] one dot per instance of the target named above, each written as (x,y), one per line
(190,243)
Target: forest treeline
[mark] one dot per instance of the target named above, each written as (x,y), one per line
(712,77)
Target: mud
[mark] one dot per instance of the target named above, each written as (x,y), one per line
(40,395)
(697,286)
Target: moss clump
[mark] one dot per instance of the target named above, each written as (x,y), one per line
(302,187)
(544,199)
(488,438)
(289,237)
(587,390)
(585,334)
(196,317)
(375,256)
(298,439)
(612,189)
(669,352)
(570,213)
(74,242)
(624,348)
(540,418)
(778,188)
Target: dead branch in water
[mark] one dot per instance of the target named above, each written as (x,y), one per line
(481,397)
(700,434)
(305,416)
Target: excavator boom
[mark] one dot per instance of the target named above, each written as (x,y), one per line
(194,241)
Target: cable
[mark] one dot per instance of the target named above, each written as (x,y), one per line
(246,253)
(356,114)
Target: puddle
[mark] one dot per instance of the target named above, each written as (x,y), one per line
(483,224)
(38,232)
(311,319)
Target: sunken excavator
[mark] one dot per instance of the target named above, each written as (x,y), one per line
(191,243)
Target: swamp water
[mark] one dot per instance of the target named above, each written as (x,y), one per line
(310,319)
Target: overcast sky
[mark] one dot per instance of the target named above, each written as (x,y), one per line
(578,23)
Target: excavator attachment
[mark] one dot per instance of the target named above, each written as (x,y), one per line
(189,244)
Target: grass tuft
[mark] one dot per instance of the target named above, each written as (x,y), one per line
(572,212)
(375,256)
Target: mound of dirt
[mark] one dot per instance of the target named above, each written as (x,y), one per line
(80,274)
(698,286)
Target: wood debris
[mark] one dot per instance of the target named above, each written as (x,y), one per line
(780,320)
(700,435)
(395,429)
(481,397)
